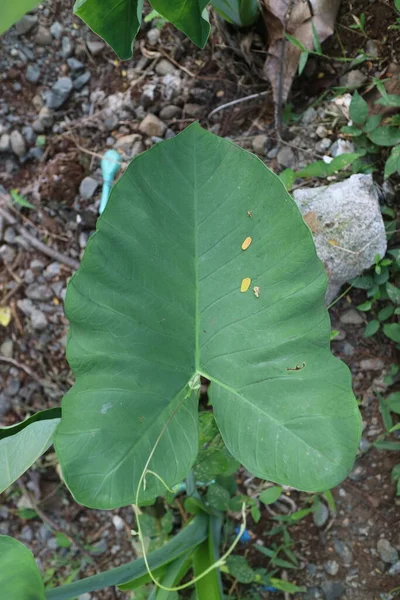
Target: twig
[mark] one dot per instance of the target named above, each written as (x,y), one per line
(238,101)
(28,371)
(66,260)
(54,525)
(175,62)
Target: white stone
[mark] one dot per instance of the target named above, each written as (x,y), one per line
(347,227)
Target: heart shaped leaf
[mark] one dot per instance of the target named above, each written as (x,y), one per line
(23,443)
(201,265)
(19,574)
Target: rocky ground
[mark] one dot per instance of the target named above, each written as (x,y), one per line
(64,100)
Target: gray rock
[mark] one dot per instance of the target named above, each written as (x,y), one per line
(344,552)
(43,37)
(372,48)
(389,192)
(331,567)
(323,145)
(85,596)
(7,254)
(308,116)
(170,111)
(37,291)
(26,306)
(13,387)
(44,533)
(29,277)
(5,143)
(312,593)
(38,126)
(258,144)
(131,145)
(75,64)
(53,270)
(153,36)
(96,47)
(46,117)
(37,265)
(56,30)
(386,551)
(59,92)
(32,73)
(82,80)
(25,24)
(286,157)
(172,86)
(348,213)
(10,235)
(321,131)
(67,47)
(88,187)
(7,348)
(196,111)
(354,79)
(29,134)
(341,147)
(38,320)
(320,514)
(99,547)
(372,364)
(333,590)
(164,67)
(5,404)
(152,126)
(35,153)
(351,317)
(26,533)
(395,569)
(18,145)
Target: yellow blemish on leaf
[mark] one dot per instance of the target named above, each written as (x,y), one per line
(245,284)
(246,243)
(5,315)
(249,213)
(256,291)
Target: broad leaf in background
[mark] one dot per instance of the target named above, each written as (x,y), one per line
(157,302)
(23,443)
(11,12)
(393,162)
(358,109)
(20,577)
(190,16)
(387,135)
(116,21)
(238,12)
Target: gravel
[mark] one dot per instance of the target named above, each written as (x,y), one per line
(152,126)
(88,187)
(75,64)
(5,404)
(372,364)
(32,73)
(331,567)
(286,157)
(43,37)
(164,67)
(7,348)
(333,589)
(351,317)
(95,47)
(344,552)
(18,145)
(5,143)
(37,291)
(59,92)
(38,320)
(67,47)
(25,24)
(56,30)
(170,111)
(7,254)
(82,80)
(258,144)
(386,551)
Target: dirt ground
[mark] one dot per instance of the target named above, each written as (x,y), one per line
(67,539)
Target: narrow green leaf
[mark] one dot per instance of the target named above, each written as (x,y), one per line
(238,12)
(342,161)
(175,572)
(371,328)
(385,412)
(272,555)
(23,443)
(296,43)
(390,100)
(286,586)
(393,401)
(365,306)
(270,495)
(20,200)
(20,577)
(331,500)
(386,135)
(303,61)
(116,21)
(190,16)
(387,445)
(316,42)
(385,313)
(397,4)
(11,12)
(165,307)
(358,109)
(287,177)
(352,130)
(392,331)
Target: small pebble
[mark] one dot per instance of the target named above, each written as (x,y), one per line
(351,317)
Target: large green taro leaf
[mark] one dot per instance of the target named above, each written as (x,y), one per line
(157,301)
(23,443)
(118,21)
(19,575)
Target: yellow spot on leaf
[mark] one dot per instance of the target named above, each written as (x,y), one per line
(5,315)
(245,284)
(246,243)
(256,291)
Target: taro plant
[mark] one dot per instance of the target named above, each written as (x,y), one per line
(201,267)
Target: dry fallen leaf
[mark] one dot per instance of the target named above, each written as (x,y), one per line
(245,284)
(294,17)
(311,219)
(256,291)
(5,315)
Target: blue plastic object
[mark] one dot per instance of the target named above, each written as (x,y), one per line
(245,537)
(110,165)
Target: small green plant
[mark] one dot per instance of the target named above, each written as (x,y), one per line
(359,24)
